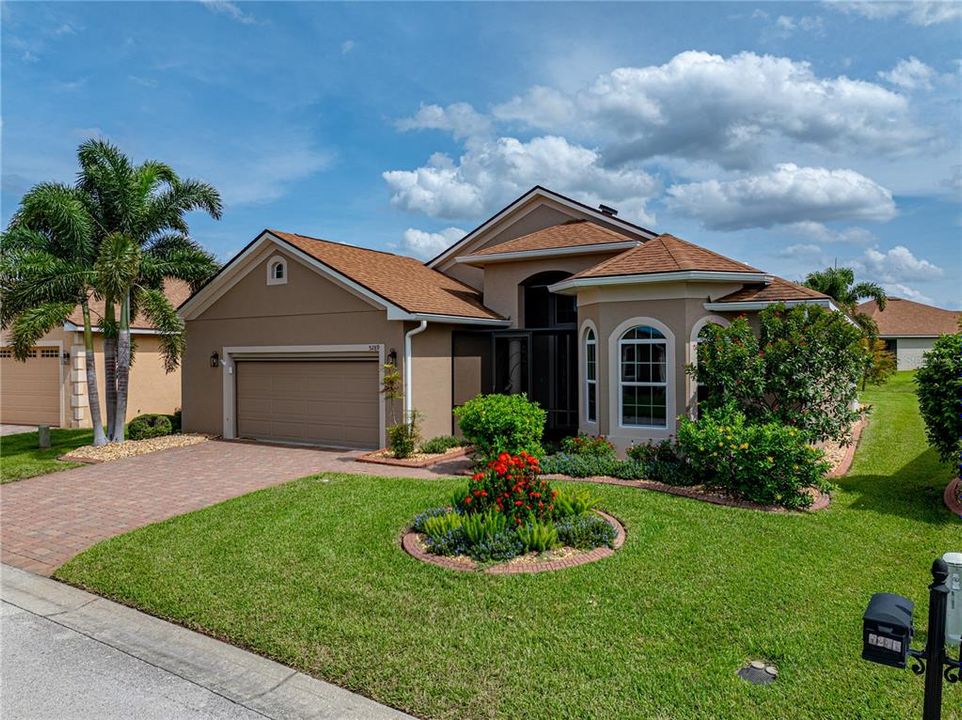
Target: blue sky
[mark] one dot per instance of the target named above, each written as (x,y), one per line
(789,136)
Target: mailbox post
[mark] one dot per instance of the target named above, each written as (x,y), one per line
(887,630)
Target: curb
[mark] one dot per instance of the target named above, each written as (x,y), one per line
(409,542)
(845,464)
(376,458)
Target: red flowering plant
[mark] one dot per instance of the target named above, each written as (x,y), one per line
(510,484)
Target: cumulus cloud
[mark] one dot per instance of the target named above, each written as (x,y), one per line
(910,74)
(459,119)
(897,265)
(904,291)
(789,194)
(702,106)
(824,234)
(918,12)
(425,245)
(493,172)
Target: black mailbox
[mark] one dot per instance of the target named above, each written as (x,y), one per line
(887,629)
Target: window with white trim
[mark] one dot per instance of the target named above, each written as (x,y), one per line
(591,377)
(643,377)
(277,271)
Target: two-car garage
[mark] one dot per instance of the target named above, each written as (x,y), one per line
(331,401)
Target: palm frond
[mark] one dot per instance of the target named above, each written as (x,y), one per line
(118,265)
(189,263)
(60,212)
(33,323)
(155,306)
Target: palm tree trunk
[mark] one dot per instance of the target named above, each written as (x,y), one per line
(123,369)
(110,367)
(93,393)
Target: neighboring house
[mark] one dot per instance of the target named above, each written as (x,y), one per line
(910,328)
(593,317)
(51,386)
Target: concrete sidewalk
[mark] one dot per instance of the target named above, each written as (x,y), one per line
(68,653)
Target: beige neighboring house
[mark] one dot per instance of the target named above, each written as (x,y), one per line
(593,317)
(51,386)
(909,328)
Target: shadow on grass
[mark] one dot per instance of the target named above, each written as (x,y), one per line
(913,492)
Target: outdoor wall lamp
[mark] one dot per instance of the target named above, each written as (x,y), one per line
(887,631)
(215,359)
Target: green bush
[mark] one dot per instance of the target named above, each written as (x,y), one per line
(589,445)
(175,420)
(662,462)
(402,437)
(630,470)
(939,387)
(585,532)
(572,500)
(767,463)
(483,526)
(439,525)
(538,536)
(441,444)
(496,424)
(579,465)
(147,426)
(419,520)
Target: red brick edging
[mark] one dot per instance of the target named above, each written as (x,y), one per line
(846,462)
(951,497)
(410,544)
(376,458)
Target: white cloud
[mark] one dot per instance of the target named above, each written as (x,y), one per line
(347,46)
(904,291)
(459,119)
(910,74)
(704,106)
(806,252)
(822,233)
(231,10)
(789,194)
(492,172)
(897,265)
(786,25)
(425,245)
(918,12)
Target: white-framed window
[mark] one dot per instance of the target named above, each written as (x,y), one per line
(591,376)
(643,378)
(277,271)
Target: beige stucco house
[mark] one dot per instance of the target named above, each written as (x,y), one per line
(50,387)
(593,317)
(910,328)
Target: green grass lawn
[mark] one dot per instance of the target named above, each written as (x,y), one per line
(310,573)
(21,458)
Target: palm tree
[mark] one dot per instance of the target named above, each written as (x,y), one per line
(47,260)
(143,239)
(839,284)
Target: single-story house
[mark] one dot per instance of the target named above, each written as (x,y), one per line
(910,328)
(50,387)
(592,316)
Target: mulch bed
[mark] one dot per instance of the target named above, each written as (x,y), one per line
(418,460)
(953,497)
(846,453)
(561,559)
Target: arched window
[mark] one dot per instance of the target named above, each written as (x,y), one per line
(591,377)
(276,271)
(643,377)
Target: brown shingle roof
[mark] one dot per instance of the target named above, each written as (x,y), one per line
(906,317)
(569,234)
(403,281)
(176,291)
(665,253)
(778,290)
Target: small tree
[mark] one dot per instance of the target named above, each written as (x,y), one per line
(879,362)
(403,436)
(939,387)
(802,370)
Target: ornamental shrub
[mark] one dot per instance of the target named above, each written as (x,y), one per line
(588,445)
(538,536)
(663,462)
(585,532)
(509,485)
(572,501)
(440,525)
(939,387)
(497,548)
(483,526)
(147,426)
(417,525)
(802,370)
(578,465)
(496,424)
(441,444)
(402,437)
(767,463)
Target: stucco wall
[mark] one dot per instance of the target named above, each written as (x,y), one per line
(909,351)
(431,378)
(151,388)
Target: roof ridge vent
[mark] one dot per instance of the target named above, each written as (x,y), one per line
(607,210)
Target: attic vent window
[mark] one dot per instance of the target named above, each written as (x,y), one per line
(607,210)
(277,271)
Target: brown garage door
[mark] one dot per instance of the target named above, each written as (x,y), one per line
(30,391)
(320,402)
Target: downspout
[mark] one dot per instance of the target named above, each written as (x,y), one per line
(408,390)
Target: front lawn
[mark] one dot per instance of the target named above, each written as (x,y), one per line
(21,458)
(310,573)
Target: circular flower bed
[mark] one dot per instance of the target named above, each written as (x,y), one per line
(508,514)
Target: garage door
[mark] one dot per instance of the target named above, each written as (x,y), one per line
(30,391)
(333,402)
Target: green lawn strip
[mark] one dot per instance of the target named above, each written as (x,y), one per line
(310,573)
(21,458)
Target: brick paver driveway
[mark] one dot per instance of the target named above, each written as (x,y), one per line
(46,520)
